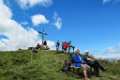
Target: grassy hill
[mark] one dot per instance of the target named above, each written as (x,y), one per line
(45,65)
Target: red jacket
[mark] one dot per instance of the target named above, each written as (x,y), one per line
(65,45)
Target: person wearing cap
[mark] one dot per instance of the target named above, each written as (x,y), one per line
(94,64)
(79,62)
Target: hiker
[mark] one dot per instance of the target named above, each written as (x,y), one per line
(62,47)
(65,45)
(73,48)
(45,45)
(57,46)
(38,46)
(93,63)
(79,62)
(69,46)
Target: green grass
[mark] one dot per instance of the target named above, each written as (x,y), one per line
(45,65)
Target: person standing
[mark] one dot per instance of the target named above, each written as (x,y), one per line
(57,46)
(69,46)
(65,45)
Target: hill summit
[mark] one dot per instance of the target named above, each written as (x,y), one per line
(44,65)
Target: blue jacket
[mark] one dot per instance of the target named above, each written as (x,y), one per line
(77,60)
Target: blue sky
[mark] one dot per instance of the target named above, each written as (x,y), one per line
(90,24)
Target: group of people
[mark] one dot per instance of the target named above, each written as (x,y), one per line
(86,63)
(43,46)
(65,46)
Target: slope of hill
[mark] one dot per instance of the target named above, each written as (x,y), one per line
(45,65)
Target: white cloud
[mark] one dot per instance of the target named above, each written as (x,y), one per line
(110,53)
(57,21)
(7,12)
(110,56)
(39,19)
(51,44)
(107,1)
(17,36)
(24,23)
(24,4)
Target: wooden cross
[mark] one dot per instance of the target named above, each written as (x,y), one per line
(43,34)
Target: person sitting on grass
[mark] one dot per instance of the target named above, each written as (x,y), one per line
(79,62)
(45,45)
(94,64)
(38,46)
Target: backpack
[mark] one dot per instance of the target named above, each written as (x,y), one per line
(65,66)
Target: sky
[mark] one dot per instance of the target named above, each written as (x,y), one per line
(91,25)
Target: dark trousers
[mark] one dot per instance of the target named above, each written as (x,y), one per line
(96,66)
